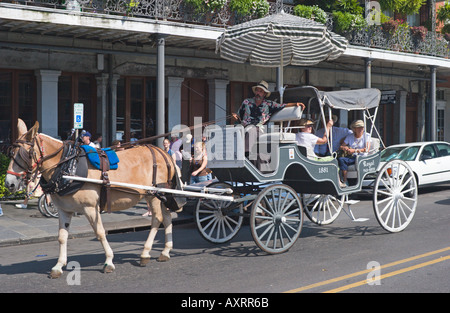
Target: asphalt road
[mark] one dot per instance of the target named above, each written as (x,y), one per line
(341,257)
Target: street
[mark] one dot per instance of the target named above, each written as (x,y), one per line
(342,257)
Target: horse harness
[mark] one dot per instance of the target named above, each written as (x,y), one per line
(74,162)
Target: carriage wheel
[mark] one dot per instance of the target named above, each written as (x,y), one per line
(276,219)
(322,209)
(48,210)
(218,221)
(395,196)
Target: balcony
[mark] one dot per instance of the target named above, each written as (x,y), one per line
(374,36)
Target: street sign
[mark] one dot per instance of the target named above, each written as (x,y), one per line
(78,115)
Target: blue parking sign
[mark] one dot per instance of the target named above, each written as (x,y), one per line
(78,115)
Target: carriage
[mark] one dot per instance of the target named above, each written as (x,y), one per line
(275,190)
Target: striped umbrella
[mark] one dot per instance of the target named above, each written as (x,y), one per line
(278,40)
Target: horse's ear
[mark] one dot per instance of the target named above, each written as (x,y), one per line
(21,127)
(34,129)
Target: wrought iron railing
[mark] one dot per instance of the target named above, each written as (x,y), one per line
(177,11)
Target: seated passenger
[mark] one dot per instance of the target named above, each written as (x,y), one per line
(353,145)
(338,135)
(308,140)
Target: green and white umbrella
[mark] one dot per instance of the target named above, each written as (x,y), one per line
(278,40)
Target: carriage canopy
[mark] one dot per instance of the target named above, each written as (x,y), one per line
(356,99)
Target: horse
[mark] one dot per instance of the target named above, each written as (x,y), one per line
(139,165)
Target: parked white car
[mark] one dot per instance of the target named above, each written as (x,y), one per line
(429,160)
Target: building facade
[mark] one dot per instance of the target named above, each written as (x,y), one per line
(140,74)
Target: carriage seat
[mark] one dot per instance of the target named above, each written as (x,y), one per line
(374,147)
(287,114)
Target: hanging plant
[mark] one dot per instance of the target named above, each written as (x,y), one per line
(311,12)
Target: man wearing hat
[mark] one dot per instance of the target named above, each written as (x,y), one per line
(86,138)
(257,111)
(358,143)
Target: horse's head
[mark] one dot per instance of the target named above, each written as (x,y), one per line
(25,154)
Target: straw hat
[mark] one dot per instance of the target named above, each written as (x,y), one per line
(357,123)
(304,122)
(264,86)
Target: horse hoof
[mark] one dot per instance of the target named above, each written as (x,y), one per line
(55,274)
(108,268)
(144,262)
(163,258)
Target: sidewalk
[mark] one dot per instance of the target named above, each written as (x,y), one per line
(23,226)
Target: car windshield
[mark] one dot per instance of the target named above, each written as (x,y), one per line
(408,154)
(390,153)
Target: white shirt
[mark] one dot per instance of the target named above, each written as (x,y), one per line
(308,141)
(357,143)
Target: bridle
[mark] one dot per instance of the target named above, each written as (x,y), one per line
(26,159)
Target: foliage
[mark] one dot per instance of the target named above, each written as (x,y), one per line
(419,32)
(402,6)
(443,13)
(350,6)
(311,12)
(445,29)
(345,21)
(258,8)
(4,162)
(203,6)
(392,25)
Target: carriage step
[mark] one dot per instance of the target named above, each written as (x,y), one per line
(351,202)
(350,213)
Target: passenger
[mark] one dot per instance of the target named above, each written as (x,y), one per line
(338,135)
(308,140)
(116,144)
(166,144)
(257,111)
(199,171)
(86,139)
(353,145)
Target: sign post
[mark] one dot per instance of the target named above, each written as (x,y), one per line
(78,109)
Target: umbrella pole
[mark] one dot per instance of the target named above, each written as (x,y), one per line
(280,75)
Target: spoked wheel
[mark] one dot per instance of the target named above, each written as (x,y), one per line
(218,221)
(276,219)
(322,209)
(395,196)
(46,207)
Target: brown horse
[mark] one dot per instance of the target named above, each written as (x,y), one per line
(34,151)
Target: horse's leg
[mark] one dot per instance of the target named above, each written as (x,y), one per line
(167,221)
(63,234)
(93,216)
(157,218)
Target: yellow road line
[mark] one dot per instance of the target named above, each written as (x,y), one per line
(326,282)
(404,270)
